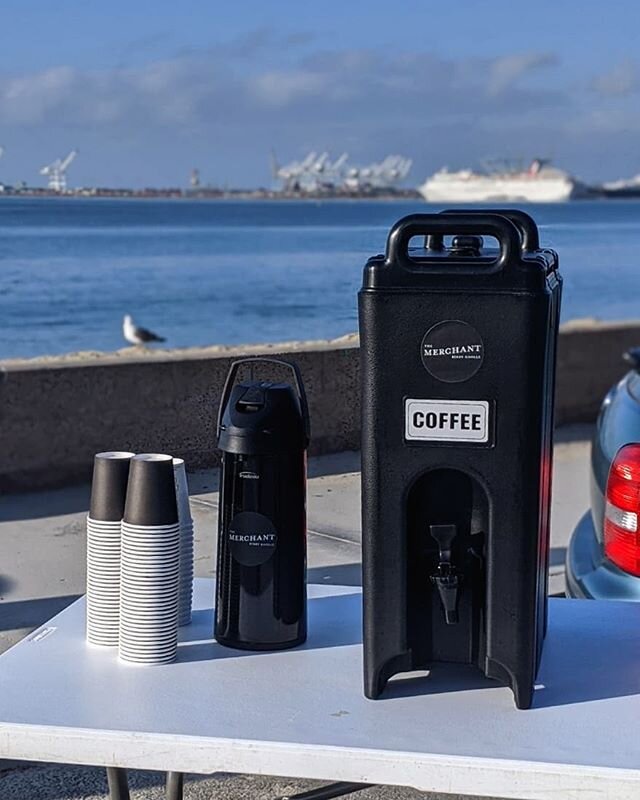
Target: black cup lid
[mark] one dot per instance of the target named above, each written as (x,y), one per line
(151,491)
(109,485)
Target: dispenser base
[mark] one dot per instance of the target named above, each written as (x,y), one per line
(261,647)
(375,682)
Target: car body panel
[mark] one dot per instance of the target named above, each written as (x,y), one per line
(589,574)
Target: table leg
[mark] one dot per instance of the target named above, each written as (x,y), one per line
(174,786)
(118,783)
(329,791)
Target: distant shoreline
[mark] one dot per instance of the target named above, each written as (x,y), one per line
(205,194)
(249,195)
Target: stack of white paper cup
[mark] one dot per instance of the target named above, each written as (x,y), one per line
(185,584)
(108,490)
(150,563)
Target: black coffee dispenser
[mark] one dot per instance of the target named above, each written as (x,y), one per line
(263,432)
(458,345)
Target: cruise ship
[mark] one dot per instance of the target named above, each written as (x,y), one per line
(504,182)
(626,187)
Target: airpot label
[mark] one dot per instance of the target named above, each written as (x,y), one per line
(252,538)
(452,351)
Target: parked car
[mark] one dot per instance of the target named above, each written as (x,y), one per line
(603,558)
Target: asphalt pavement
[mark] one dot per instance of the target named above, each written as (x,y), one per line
(42,569)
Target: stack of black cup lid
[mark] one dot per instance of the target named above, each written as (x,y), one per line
(108,492)
(150,560)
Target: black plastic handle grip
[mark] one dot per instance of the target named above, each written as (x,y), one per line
(446,224)
(524,222)
(231,379)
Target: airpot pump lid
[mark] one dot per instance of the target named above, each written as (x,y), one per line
(262,417)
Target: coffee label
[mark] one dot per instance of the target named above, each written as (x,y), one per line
(446,420)
(252,538)
(452,351)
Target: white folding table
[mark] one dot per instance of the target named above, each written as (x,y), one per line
(301,713)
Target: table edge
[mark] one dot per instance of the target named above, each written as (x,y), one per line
(524,780)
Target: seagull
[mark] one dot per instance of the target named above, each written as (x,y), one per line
(135,335)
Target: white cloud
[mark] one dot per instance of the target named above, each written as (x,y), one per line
(193,88)
(280,89)
(506,71)
(228,106)
(29,98)
(623,79)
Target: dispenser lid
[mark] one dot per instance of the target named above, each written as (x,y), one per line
(262,416)
(466,265)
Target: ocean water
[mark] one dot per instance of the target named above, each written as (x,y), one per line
(222,272)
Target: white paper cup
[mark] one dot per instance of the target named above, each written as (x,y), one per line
(107,576)
(149,593)
(145,583)
(104,624)
(132,661)
(99,561)
(101,534)
(101,525)
(149,633)
(148,629)
(104,573)
(146,553)
(152,635)
(148,603)
(131,594)
(147,622)
(139,617)
(150,563)
(132,586)
(107,570)
(182,491)
(104,600)
(107,562)
(150,556)
(148,650)
(143,654)
(148,655)
(103,581)
(149,607)
(151,546)
(186,560)
(149,528)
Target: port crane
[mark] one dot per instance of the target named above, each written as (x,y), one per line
(339,163)
(317,173)
(391,170)
(292,174)
(56,172)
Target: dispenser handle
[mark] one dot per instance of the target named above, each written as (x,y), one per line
(231,379)
(446,224)
(524,222)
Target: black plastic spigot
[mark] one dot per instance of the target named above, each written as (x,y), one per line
(446,578)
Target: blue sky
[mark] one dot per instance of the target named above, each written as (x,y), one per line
(148,90)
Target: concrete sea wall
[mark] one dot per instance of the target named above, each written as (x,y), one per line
(56,413)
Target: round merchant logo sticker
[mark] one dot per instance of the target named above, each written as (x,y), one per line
(252,538)
(452,351)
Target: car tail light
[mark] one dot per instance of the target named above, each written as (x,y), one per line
(622,509)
